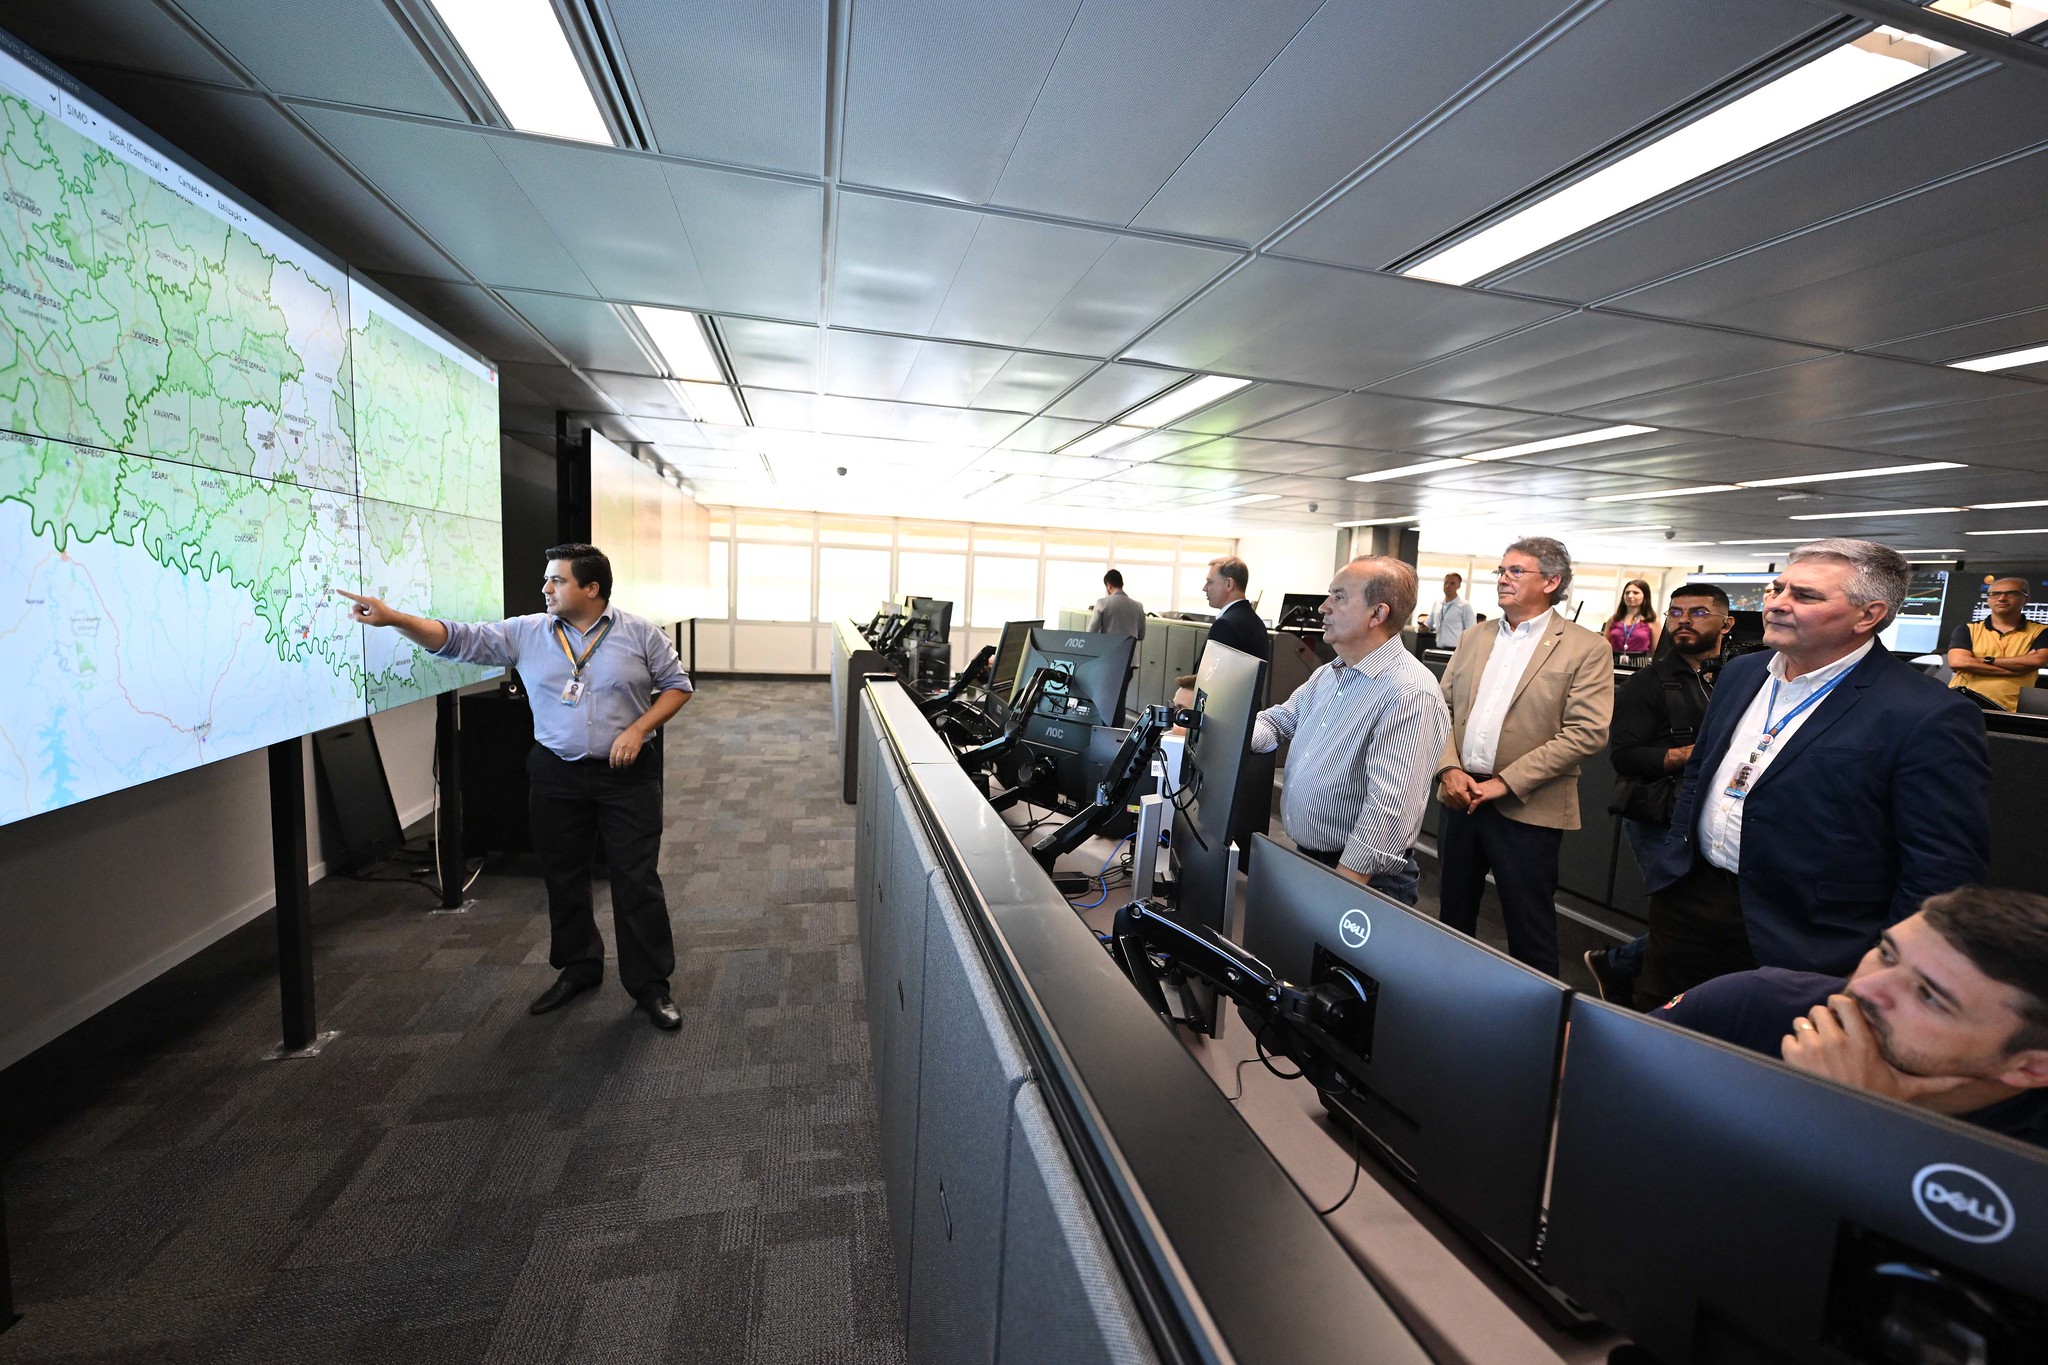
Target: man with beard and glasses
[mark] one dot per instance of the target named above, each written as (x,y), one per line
(1657,715)
(1949,1012)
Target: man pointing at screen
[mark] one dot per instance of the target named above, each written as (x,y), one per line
(600,681)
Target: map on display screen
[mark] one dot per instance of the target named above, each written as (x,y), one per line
(205,426)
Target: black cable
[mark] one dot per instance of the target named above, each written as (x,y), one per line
(1259,1047)
(1357,1166)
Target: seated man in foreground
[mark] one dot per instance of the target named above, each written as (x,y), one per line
(1949,1012)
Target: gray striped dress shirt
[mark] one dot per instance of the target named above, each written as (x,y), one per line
(1366,741)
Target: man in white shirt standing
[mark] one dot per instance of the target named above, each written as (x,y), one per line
(1531,698)
(1453,616)
(1367,728)
(1832,788)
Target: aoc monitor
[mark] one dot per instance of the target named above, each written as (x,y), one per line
(1453,1059)
(1002,679)
(1714,1205)
(1091,669)
(1228,685)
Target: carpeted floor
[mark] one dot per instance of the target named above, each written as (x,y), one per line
(455,1180)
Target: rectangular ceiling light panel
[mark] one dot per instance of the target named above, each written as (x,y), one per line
(711,402)
(2007,360)
(1584,438)
(1103,441)
(1832,82)
(1183,399)
(522,56)
(1405,471)
(1876,513)
(1792,479)
(679,335)
(1668,493)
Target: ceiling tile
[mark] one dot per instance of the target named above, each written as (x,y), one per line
(472,315)
(1370,421)
(1585,359)
(1137,86)
(1971,249)
(737,83)
(640,396)
(544,386)
(1265,457)
(937,94)
(894,261)
(1046,433)
(758,241)
(348,51)
(452,184)
(1028,381)
(1115,389)
(1249,407)
(1354,79)
(774,355)
(1312,324)
(1013,276)
(1132,285)
(244,140)
(1617,67)
(589,333)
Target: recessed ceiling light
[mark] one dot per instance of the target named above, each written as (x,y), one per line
(2005,360)
(1789,479)
(1583,438)
(1774,540)
(711,402)
(522,56)
(1619,530)
(2020,531)
(679,335)
(1242,500)
(1426,467)
(1102,441)
(2001,506)
(1820,89)
(1183,399)
(1877,514)
(1667,493)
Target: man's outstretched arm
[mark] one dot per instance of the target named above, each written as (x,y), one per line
(429,635)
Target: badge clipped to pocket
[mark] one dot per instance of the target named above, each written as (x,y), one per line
(573,692)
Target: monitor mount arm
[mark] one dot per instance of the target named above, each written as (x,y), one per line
(976,672)
(1301,1023)
(982,756)
(1119,785)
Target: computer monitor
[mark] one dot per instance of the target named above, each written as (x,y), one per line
(1002,680)
(1301,610)
(1916,629)
(930,618)
(1092,667)
(1454,1059)
(1714,1205)
(1228,685)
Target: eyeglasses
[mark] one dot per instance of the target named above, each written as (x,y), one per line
(1513,571)
(2006,592)
(1692,613)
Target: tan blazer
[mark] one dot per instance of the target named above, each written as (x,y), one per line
(1558,718)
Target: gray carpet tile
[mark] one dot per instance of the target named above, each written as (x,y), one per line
(455,1180)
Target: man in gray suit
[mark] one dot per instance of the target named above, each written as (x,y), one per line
(1119,613)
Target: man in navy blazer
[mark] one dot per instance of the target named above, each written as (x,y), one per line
(1831,790)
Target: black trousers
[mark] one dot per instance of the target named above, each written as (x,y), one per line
(568,804)
(1696,934)
(1523,860)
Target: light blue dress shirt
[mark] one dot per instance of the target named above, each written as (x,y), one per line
(635,661)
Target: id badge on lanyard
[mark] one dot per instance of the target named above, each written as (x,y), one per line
(572,691)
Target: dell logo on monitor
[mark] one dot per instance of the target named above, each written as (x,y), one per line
(1355,928)
(1962,1203)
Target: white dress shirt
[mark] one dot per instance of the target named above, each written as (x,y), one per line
(1512,650)
(1720,825)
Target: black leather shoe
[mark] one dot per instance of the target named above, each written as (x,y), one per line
(1615,987)
(561,993)
(662,1011)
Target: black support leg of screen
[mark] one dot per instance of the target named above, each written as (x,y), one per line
(449,865)
(294,895)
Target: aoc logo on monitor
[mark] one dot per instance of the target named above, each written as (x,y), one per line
(1962,1203)
(1355,928)
(1075,642)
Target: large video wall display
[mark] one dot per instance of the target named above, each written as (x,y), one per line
(206,425)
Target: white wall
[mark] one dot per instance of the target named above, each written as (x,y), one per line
(1287,561)
(102,896)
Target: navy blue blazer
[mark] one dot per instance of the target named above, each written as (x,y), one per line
(1238,625)
(1879,800)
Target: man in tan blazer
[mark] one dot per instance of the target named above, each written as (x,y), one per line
(1531,697)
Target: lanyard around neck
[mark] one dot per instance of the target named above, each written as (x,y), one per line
(1770,730)
(576,663)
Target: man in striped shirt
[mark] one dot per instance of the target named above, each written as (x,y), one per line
(1367,728)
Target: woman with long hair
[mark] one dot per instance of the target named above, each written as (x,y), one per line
(1632,630)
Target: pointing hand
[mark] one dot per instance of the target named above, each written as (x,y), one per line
(369,611)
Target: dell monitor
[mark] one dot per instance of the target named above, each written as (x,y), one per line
(1002,679)
(1453,1061)
(1228,685)
(1714,1205)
